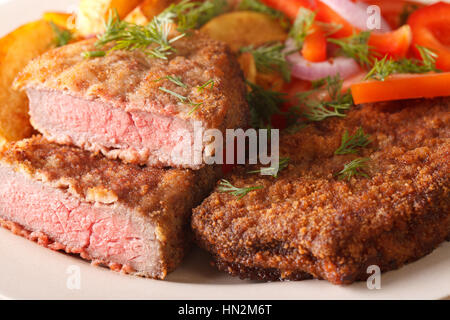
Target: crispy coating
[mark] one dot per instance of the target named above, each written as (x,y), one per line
(131,80)
(306,220)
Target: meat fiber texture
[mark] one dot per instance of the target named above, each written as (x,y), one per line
(130,218)
(308,223)
(125,105)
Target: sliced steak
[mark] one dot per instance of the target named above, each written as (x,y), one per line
(125,105)
(120,215)
(309,221)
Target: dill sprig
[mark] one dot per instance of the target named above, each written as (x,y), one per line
(269,58)
(318,110)
(195,107)
(351,143)
(93,54)
(193,15)
(329,27)
(62,36)
(354,168)
(179,82)
(225,186)
(387,66)
(284,162)
(263,105)
(182,99)
(302,26)
(295,126)
(210,83)
(356,46)
(174,79)
(258,6)
(154,38)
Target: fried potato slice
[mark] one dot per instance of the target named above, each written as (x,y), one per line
(16,50)
(63,20)
(248,66)
(243,28)
(137,16)
(148,9)
(92,14)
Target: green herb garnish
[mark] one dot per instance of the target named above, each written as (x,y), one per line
(182,99)
(354,168)
(318,110)
(62,36)
(193,15)
(295,126)
(154,38)
(263,105)
(302,26)
(351,144)
(329,28)
(269,58)
(387,66)
(93,54)
(225,186)
(173,79)
(210,83)
(356,47)
(196,106)
(258,6)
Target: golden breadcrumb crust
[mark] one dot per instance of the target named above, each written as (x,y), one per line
(306,220)
(131,80)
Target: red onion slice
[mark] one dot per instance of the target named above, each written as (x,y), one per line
(355,13)
(310,71)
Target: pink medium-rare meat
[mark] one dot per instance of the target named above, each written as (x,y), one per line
(120,215)
(123,104)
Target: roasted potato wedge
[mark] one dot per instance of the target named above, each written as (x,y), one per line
(63,20)
(248,66)
(137,17)
(269,81)
(92,14)
(145,12)
(16,50)
(243,28)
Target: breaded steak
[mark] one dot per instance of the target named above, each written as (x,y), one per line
(307,222)
(133,219)
(133,107)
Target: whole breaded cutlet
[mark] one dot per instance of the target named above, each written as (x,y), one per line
(308,223)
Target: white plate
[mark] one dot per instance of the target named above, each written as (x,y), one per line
(28,271)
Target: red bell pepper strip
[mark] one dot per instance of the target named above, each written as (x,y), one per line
(392,10)
(394,44)
(315,45)
(430,27)
(290,7)
(402,86)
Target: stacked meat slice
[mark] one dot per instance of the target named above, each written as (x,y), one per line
(104,180)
